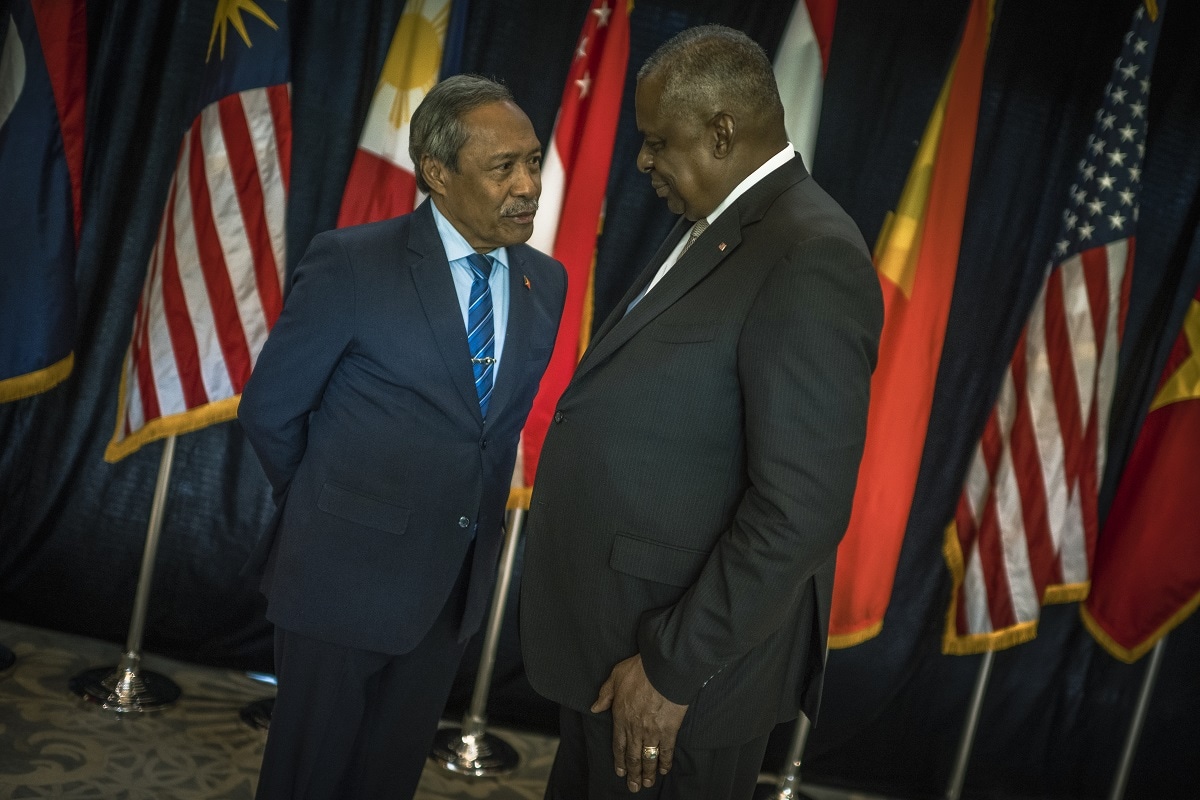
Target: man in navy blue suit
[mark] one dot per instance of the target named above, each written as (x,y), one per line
(386,408)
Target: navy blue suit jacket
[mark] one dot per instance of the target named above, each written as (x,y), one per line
(362,409)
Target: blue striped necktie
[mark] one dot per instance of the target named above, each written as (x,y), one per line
(481,330)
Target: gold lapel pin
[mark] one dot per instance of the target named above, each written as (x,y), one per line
(526,279)
(721,247)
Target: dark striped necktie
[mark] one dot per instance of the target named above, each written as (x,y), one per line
(481,330)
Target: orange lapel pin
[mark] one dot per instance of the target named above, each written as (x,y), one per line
(526,279)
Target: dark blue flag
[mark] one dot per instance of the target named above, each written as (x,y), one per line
(43,55)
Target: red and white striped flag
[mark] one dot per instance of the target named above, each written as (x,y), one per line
(382,183)
(215,282)
(574,177)
(1025,529)
(800,65)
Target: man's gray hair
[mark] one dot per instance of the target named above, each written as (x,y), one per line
(437,129)
(712,68)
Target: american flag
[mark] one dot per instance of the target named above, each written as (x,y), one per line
(214,286)
(1025,527)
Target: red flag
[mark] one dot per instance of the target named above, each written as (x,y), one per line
(1146,578)
(215,282)
(574,177)
(1025,528)
(381,183)
(800,65)
(917,258)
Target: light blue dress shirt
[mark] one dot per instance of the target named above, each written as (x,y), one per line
(457,249)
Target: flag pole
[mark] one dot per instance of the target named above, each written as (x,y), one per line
(1136,722)
(257,713)
(787,786)
(954,789)
(471,750)
(127,687)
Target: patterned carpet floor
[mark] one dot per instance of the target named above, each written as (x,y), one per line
(54,744)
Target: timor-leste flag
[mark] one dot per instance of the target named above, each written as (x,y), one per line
(917,258)
(1146,575)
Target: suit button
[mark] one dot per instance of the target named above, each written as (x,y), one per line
(558,416)
(463,522)
(483,443)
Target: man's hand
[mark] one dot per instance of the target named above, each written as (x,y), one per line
(641,718)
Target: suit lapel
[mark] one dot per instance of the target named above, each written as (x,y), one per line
(714,246)
(516,335)
(639,283)
(435,287)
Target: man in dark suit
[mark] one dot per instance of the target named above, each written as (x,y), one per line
(386,407)
(700,467)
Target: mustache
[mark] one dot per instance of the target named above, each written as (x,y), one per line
(520,208)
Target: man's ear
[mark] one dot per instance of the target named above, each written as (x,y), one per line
(434,172)
(721,129)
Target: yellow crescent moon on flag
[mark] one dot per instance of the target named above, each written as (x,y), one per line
(415,56)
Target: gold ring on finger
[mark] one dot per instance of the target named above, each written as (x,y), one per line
(650,753)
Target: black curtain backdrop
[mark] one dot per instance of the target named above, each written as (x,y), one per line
(72,526)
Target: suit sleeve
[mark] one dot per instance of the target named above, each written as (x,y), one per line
(805,359)
(300,354)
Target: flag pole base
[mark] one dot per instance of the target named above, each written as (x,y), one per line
(6,658)
(479,756)
(125,689)
(257,713)
(769,788)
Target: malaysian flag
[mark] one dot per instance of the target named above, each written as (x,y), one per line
(215,281)
(1025,528)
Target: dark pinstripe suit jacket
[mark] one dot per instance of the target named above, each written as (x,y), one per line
(362,409)
(700,468)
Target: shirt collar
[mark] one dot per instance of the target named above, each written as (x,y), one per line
(455,244)
(770,165)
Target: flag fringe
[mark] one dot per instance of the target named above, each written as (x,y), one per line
(191,420)
(1066,593)
(32,383)
(518,497)
(1132,654)
(954,644)
(840,641)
